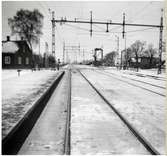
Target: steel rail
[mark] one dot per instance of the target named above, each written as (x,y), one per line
(145,143)
(133,84)
(137,80)
(156,78)
(150,76)
(67,141)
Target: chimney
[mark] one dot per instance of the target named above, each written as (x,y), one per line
(8,38)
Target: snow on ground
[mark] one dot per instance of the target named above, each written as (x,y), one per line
(47,135)
(12,73)
(95,128)
(143,78)
(19,93)
(144,109)
(151,73)
(144,82)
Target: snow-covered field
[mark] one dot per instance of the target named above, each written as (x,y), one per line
(95,128)
(152,73)
(145,110)
(19,93)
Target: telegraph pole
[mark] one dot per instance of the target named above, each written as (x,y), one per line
(118,49)
(91,24)
(123,32)
(79,51)
(75,55)
(67,57)
(63,52)
(126,53)
(46,55)
(160,43)
(39,55)
(74,49)
(83,55)
(123,24)
(53,34)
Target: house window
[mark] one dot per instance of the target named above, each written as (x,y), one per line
(7,60)
(19,60)
(27,60)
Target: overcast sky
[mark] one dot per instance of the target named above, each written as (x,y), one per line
(142,12)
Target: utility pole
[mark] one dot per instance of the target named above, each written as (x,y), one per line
(53,34)
(160,43)
(67,57)
(75,55)
(63,52)
(91,24)
(123,24)
(79,51)
(83,55)
(126,53)
(39,60)
(75,51)
(118,49)
(46,55)
(123,32)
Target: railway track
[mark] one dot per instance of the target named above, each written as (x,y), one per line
(134,131)
(14,141)
(149,76)
(107,74)
(67,142)
(138,80)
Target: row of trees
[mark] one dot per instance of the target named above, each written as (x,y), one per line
(137,50)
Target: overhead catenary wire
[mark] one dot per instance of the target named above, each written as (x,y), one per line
(119,24)
(137,30)
(77,27)
(103,29)
(59,36)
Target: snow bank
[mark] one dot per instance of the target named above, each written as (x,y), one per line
(19,93)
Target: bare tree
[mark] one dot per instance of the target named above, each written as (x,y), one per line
(127,56)
(27,24)
(137,48)
(109,58)
(150,52)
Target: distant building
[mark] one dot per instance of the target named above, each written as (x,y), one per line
(16,54)
(144,62)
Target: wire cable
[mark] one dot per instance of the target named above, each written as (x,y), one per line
(139,30)
(77,27)
(99,27)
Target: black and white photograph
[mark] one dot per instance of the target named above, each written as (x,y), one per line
(83,77)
